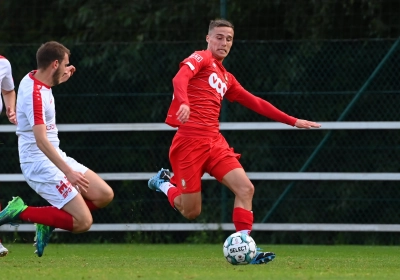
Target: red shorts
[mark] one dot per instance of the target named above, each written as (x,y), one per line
(191,157)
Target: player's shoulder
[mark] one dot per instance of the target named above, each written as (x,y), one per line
(200,55)
(230,75)
(4,61)
(231,79)
(25,83)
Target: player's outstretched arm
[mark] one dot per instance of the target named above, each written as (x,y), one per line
(306,124)
(268,110)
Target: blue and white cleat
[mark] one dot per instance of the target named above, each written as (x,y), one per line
(162,176)
(262,258)
(42,238)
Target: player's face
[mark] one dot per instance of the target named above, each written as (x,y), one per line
(220,41)
(60,70)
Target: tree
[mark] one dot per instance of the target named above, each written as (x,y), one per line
(92,21)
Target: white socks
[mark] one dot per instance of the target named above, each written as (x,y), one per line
(164,187)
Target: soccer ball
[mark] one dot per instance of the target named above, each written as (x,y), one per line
(239,248)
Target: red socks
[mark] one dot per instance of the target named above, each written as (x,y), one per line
(91,205)
(52,216)
(48,215)
(172,193)
(242,219)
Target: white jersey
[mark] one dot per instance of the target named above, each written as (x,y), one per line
(6,79)
(35,105)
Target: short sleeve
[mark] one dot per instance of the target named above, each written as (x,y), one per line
(7,83)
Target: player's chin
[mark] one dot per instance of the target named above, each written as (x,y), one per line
(56,81)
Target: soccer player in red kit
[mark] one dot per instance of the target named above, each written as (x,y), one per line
(198,146)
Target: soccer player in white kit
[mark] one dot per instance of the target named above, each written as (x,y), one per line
(7,90)
(71,188)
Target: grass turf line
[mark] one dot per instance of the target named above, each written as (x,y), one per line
(180,261)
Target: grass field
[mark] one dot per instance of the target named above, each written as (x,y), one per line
(134,261)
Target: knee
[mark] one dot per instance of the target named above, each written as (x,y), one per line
(82,225)
(192,214)
(246,191)
(106,198)
(109,196)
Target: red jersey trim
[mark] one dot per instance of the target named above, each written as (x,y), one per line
(37,104)
(36,81)
(37,99)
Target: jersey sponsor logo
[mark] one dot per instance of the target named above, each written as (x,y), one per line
(196,56)
(50,126)
(217,84)
(64,188)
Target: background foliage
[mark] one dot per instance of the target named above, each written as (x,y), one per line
(86,21)
(309,59)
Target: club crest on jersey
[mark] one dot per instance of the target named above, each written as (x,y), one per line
(217,84)
(196,56)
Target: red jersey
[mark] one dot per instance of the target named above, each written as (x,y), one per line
(208,84)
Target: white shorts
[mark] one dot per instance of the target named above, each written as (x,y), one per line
(50,182)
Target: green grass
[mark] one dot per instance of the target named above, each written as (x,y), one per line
(136,261)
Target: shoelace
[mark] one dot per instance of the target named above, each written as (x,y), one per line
(166,171)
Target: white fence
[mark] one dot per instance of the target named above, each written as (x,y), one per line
(295,176)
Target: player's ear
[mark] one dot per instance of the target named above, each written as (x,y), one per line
(207,38)
(56,64)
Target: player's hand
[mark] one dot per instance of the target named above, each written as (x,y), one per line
(12,117)
(183,113)
(306,124)
(69,71)
(78,180)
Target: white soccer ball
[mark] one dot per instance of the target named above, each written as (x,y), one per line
(239,248)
